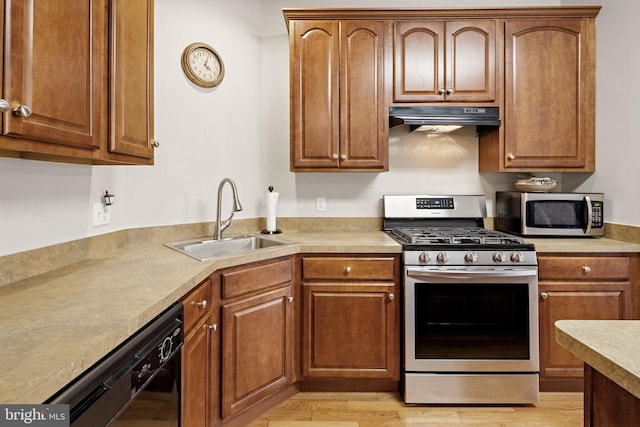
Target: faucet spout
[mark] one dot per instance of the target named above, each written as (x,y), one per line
(237,207)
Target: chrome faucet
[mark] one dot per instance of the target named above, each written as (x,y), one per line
(237,207)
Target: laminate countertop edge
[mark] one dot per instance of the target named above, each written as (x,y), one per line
(609,346)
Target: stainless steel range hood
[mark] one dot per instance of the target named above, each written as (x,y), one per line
(460,116)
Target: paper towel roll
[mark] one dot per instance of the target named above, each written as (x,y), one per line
(272,203)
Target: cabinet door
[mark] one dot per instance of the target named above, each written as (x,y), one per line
(131,78)
(350,331)
(550,85)
(364,114)
(338,110)
(315,104)
(257,339)
(54,67)
(196,375)
(471,61)
(418,61)
(437,61)
(585,300)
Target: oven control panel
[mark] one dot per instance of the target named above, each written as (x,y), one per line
(434,203)
(471,257)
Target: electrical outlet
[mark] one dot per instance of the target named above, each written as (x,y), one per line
(321,204)
(100,215)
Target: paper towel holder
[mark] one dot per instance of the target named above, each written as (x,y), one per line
(277,230)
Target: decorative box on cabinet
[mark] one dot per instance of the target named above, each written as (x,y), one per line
(580,287)
(64,100)
(339,111)
(350,318)
(436,61)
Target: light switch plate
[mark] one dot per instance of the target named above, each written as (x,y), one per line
(100,215)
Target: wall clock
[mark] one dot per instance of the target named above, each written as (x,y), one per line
(202,65)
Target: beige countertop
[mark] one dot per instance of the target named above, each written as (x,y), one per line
(55,325)
(584,244)
(609,346)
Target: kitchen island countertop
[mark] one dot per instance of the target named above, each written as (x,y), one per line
(609,346)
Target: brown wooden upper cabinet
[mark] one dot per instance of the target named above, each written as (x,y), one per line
(549,103)
(64,100)
(339,117)
(437,61)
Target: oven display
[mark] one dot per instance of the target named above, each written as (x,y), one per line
(434,203)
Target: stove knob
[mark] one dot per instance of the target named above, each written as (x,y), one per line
(471,257)
(424,257)
(498,257)
(517,257)
(442,257)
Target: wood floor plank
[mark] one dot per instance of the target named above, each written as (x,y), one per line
(319,409)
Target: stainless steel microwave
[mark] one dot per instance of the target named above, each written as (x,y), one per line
(550,214)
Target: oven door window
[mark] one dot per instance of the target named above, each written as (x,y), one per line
(471,321)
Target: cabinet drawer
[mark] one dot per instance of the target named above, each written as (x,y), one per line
(239,282)
(197,304)
(583,268)
(348,268)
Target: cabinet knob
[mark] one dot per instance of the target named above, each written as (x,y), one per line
(155,144)
(347,270)
(511,156)
(343,157)
(586,268)
(201,304)
(391,297)
(450,91)
(544,295)
(290,299)
(4,105)
(22,111)
(441,91)
(334,157)
(214,327)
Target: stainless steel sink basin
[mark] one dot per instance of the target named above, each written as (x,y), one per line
(206,248)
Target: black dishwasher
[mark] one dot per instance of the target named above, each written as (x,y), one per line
(138,382)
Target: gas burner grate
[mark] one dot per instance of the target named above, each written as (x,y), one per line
(454,236)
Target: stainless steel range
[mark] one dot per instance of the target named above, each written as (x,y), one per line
(470,303)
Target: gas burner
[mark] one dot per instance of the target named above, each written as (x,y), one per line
(450,236)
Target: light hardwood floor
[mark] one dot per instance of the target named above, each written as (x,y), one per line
(321,409)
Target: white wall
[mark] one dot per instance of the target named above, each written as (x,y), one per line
(241,130)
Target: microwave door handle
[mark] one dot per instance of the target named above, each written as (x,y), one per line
(589,224)
(474,274)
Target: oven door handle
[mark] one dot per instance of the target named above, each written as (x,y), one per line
(473,274)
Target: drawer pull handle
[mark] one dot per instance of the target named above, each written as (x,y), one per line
(347,270)
(586,268)
(391,297)
(544,295)
(290,299)
(201,304)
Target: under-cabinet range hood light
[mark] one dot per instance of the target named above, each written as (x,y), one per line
(416,117)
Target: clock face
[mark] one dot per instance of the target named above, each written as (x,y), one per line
(202,65)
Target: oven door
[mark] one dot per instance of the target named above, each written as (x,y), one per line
(471,319)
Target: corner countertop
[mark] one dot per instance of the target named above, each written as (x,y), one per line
(609,346)
(55,325)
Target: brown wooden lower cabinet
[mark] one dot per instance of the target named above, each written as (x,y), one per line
(350,318)
(606,403)
(580,287)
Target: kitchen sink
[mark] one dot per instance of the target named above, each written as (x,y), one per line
(207,248)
